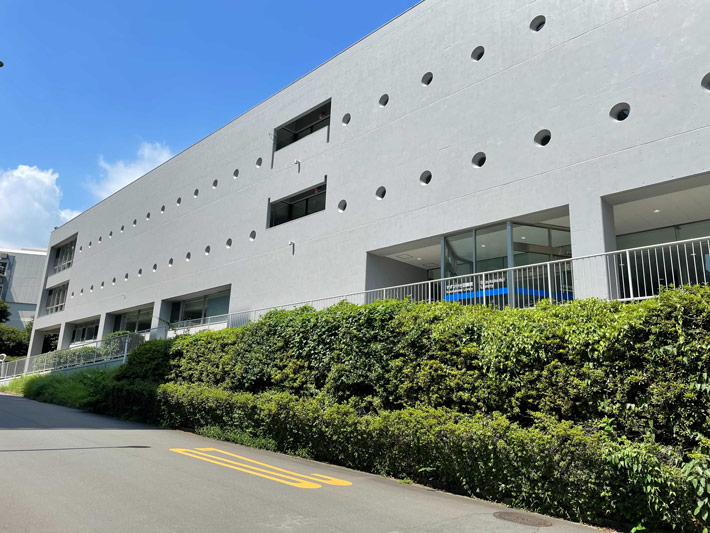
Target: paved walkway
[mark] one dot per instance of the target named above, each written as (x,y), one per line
(65,470)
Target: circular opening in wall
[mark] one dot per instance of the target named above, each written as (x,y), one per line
(162,209)
(147,216)
(102,284)
(140,272)
(228,244)
(91,289)
(477,53)
(427,79)
(235,174)
(135,221)
(380,193)
(215,183)
(706,81)
(208,250)
(252,235)
(178,201)
(81,249)
(346,119)
(89,244)
(100,239)
(170,262)
(196,193)
(113,281)
(425,178)
(125,278)
(620,112)
(110,234)
(188,256)
(479,159)
(543,137)
(72,294)
(538,23)
(81,292)
(155,267)
(122,228)
(342,206)
(259,162)
(384,100)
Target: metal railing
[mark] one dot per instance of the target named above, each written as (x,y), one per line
(112,349)
(632,274)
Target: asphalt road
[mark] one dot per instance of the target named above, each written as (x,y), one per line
(65,470)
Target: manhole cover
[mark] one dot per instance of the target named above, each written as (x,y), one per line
(525,519)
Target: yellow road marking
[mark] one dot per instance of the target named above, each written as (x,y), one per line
(270,472)
(313,477)
(301,484)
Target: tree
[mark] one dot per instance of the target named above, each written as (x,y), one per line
(4,312)
(13,342)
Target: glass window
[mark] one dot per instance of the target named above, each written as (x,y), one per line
(193,309)
(458,254)
(64,256)
(56,299)
(314,120)
(491,248)
(297,206)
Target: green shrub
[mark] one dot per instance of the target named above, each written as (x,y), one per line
(150,361)
(81,389)
(552,467)
(642,367)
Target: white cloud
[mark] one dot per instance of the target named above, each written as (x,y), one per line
(121,173)
(29,206)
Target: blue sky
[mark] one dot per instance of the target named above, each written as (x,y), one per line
(95,93)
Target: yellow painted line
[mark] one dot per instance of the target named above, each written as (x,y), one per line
(313,477)
(299,483)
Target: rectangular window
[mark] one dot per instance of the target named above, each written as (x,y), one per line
(86,331)
(3,268)
(64,256)
(215,304)
(299,205)
(56,297)
(310,122)
(134,321)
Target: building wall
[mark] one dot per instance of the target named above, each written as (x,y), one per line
(565,78)
(22,283)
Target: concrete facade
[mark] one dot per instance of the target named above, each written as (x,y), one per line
(21,276)
(448,100)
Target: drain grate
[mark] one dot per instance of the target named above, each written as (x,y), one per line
(524,519)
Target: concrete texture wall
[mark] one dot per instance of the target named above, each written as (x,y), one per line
(22,284)
(589,56)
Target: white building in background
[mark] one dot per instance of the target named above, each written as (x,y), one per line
(21,276)
(465,136)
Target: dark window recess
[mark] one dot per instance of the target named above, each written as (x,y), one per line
(297,206)
(303,126)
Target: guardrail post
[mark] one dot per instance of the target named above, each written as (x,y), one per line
(125,348)
(549,281)
(628,269)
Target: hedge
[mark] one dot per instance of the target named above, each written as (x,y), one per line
(552,467)
(640,369)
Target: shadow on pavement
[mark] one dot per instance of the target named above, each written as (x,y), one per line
(20,413)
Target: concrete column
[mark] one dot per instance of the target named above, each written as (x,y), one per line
(36,342)
(161,318)
(106,322)
(592,231)
(65,332)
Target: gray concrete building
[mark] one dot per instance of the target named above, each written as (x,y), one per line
(21,277)
(464,137)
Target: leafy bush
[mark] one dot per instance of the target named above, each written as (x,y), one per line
(553,467)
(150,361)
(81,390)
(641,368)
